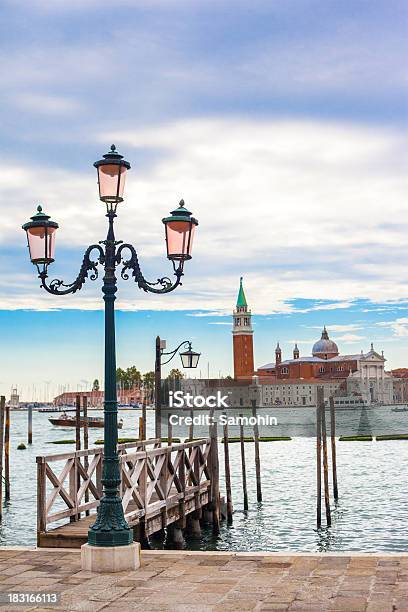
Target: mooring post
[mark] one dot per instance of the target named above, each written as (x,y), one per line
(77,444)
(30,424)
(215,474)
(333,447)
(257,457)
(191,428)
(85,414)
(227,474)
(318,458)
(169,431)
(141,428)
(2,410)
(157,390)
(86,443)
(144,417)
(190,437)
(325,464)
(244,483)
(7,456)
(78,422)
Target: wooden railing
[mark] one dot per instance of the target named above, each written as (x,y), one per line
(157,482)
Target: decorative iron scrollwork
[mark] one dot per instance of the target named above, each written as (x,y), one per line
(132,264)
(88,270)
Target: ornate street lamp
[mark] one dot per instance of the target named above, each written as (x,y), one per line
(110,528)
(189,359)
(180,228)
(41,238)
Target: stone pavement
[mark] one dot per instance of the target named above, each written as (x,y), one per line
(203,581)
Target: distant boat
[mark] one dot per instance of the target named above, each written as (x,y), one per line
(57,409)
(66,420)
(402,409)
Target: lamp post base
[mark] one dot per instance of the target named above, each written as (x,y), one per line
(109,559)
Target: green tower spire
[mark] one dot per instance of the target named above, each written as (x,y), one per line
(241,301)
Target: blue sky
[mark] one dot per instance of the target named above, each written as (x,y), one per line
(282,124)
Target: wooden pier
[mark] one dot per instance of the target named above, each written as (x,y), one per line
(160,486)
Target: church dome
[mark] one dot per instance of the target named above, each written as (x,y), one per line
(325,347)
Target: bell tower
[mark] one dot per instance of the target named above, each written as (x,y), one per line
(242,334)
(278,355)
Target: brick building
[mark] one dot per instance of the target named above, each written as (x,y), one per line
(95,398)
(242,334)
(360,375)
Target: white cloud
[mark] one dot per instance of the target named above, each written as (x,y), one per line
(337,328)
(298,207)
(219,323)
(349,338)
(47,104)
(399,327)
(216,313)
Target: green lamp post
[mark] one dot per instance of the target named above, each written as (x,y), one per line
(189,359)
(110,528)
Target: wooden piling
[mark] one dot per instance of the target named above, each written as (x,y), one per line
(215,472)
(78,422)
(169,431)
(144,417)
(318,459)
(77,479)
(243,466)
(140,428)
(325,465)
(7,455)
(227,475)
(333,447)
(86,443)
(191,428)
(257,457)
(2,415)
(30,425)
(86,431)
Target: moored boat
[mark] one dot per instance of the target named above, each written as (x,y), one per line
(66,420)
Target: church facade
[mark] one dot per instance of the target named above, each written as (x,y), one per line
(357,377)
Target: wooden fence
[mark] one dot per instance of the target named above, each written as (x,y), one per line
(159,485)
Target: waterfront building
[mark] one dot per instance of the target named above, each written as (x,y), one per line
(14,398)
(400,385)
(242,337)
(96,398)
(294,381)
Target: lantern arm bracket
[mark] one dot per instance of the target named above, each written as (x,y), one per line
(185,343)
(88,270)
(165,284)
